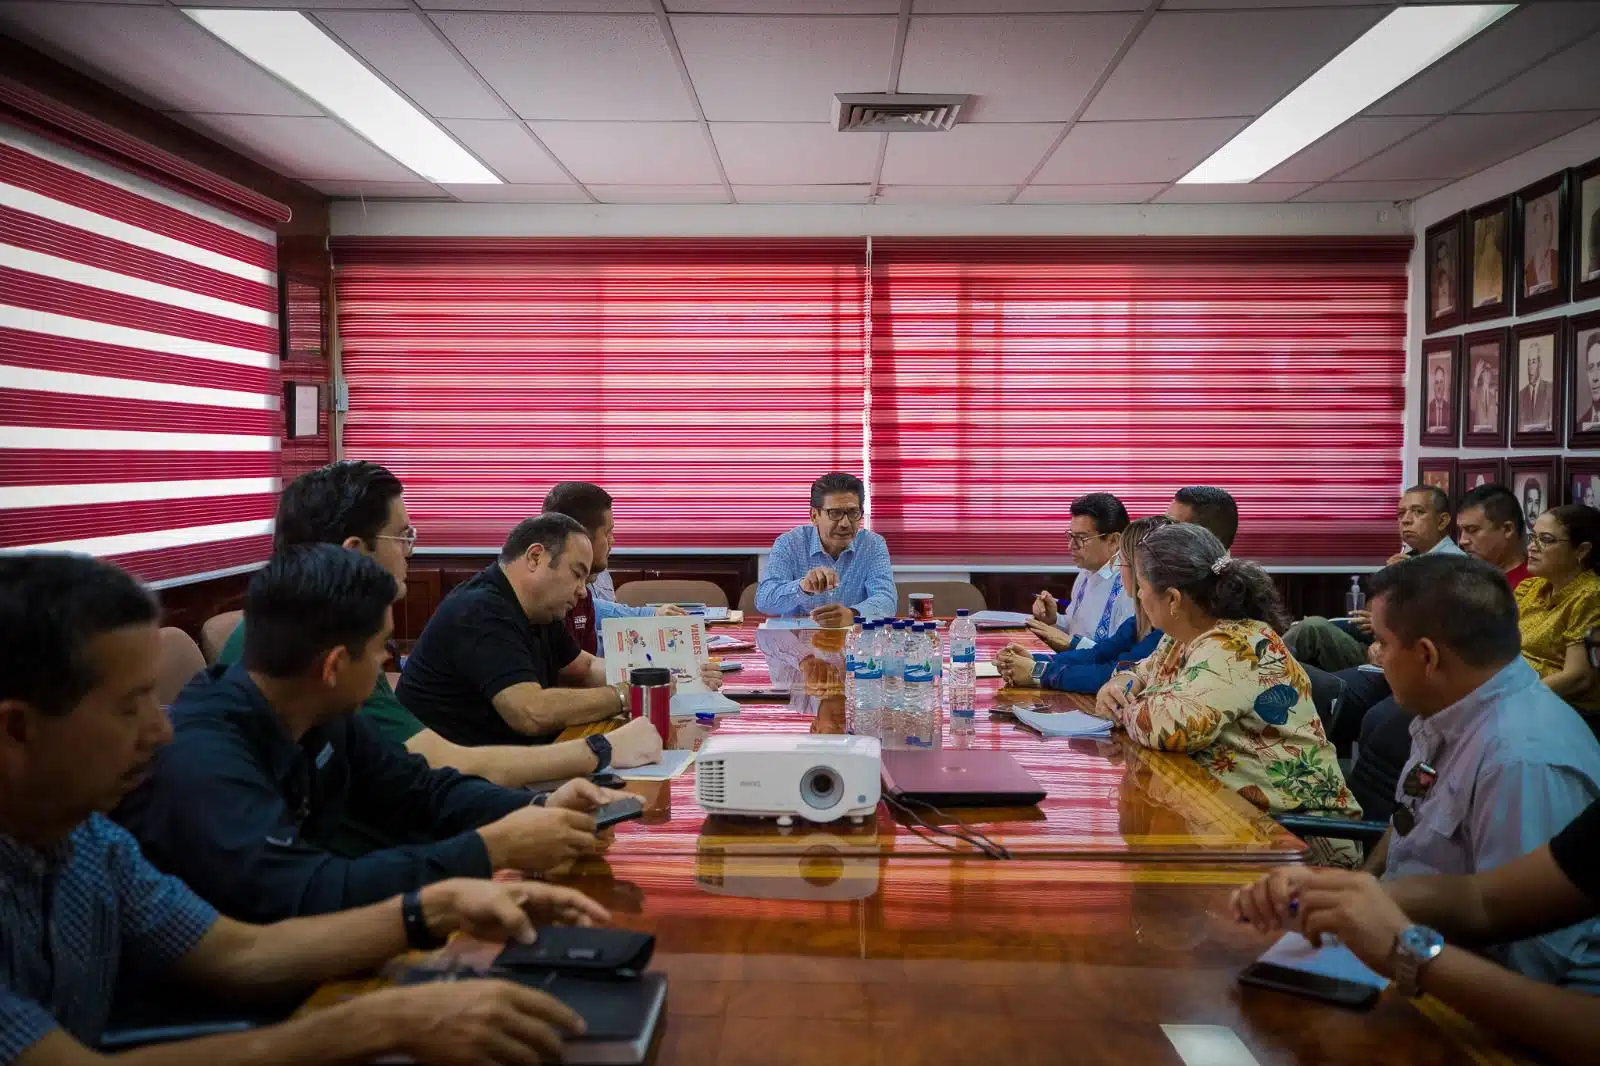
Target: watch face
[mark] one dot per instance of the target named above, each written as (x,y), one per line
(1420,942)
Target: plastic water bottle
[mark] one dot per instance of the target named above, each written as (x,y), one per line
(963,679)
(892,729)
(869,681)
(1354,600)
(851,643)
(925,722)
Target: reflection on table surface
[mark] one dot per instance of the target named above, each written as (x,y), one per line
(1106,798)
(834,959)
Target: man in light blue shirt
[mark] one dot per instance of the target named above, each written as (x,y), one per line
(832,568)
(1499,764)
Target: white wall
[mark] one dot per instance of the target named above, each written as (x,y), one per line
(1575,149)
(826,220)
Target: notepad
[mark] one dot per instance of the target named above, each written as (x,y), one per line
(689,704)
(673,762)
(1294,952)
(1063,723)
(789,623)
(1001,620)
(985,668)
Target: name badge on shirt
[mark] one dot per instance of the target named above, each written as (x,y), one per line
(324,755)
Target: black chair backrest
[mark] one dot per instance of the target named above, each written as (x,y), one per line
(1381,756)
(1326,692)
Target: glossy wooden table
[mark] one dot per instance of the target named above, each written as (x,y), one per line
(840,960)
(1106,798)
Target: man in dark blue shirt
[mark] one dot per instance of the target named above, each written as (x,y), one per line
(79,905)
(268,760)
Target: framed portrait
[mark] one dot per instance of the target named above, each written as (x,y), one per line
(1441,373)
(1440,472)
(1536,375)
(1442,245)
(1488,280)
(1476,473)
(1539,212)
(1583,359)
(1531,481)
(1586,231)
(1484,396)
(1580,479)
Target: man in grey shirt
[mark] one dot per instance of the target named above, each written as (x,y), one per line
(1499,764)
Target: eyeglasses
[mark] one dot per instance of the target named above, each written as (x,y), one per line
(1547,540)
(1078,540)
(842,514)
(407,539)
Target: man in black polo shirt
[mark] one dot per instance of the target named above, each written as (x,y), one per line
(268,760)
(495,664)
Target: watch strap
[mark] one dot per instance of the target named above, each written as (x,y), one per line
(418,936)
(600,744)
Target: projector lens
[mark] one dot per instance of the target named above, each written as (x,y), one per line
(821,787)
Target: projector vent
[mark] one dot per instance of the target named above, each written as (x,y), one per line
(897,112)
(710,785)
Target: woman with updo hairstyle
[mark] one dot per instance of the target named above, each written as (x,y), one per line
(1222,688)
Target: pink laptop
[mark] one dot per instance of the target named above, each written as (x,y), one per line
(955,777)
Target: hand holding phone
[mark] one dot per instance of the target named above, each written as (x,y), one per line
(622,810)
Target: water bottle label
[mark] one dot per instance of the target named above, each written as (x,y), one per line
(968,654)
(920,673)
(962,712)
(849,664)
(868,672)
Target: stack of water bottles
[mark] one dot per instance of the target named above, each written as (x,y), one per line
(895,682)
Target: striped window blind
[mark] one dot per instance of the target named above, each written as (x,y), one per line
(139,385)
(704,383)
(1009,376)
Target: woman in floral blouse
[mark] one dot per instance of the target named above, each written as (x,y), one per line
(1222,687)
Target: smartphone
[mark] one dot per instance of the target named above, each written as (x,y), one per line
(731,668)
(607,780)
(1315,986)
(622,810)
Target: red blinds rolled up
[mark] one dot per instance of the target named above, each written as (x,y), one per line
(139,388)
(1009,376)
(704,383)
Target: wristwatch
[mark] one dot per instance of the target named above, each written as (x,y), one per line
(418,936)
(1038,670)
(601,746)
(1414,948)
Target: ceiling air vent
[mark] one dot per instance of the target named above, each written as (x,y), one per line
(898,112)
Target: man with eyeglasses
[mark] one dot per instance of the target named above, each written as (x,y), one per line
(1499,763)
(831,569)
(1099,604)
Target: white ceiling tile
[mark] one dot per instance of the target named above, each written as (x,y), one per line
(1368,191)
(381,190)
(129,3)
(802,194)
(508,149)
(574,66)
(1508,47)
(1570,80)
(1255,192)
(659,194)
(987,154)
(1022,69)
(518,194)
(795,153)
(403,49)
(1089,194)
(303,5)
(310,149)
(945,194)
(1465,144)
(618,7)
(1355,141)
(782,69)
(631,153)
(1205,5)
(158,53)
(786,7)
(1097,153)
(1220,64)
(1001,7)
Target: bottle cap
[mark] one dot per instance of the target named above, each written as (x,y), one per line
(962,612)
(704,717)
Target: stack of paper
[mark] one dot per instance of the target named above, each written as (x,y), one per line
(723,642)
(689,704)
(673,762)
(789,623)
(1063,723)
(1294,952)
(1001,620)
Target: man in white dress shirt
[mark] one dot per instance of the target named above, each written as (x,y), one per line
(1099,604)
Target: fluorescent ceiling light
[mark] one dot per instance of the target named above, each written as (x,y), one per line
(1407,41)
(294,48)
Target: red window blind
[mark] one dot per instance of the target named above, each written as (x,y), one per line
(1009,376)
(704,383)
(139,409)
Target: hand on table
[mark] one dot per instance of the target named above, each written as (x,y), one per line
(540,839)
(582,795)
(670,609)
(1349,905)
(498,911)
(1016,671)
(711,674)
(1053,637)
(820,579)
(634,744)
(834,616)
(1115,695)
(473,1023)
(1045,608)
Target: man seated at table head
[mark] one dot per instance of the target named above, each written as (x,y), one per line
(362,507)
(268,762)
(1099,603)
(79,726)
(831,569)
(1499,763)
(590,506)
(1493,529)
(1209,507)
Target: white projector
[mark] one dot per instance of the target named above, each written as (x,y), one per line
(818,778)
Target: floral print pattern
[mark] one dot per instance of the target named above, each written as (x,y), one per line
(1238,703)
